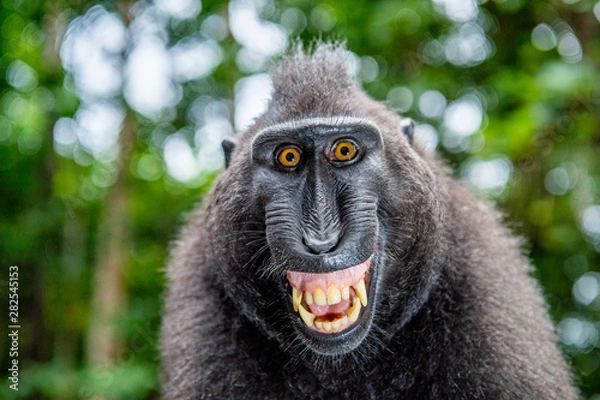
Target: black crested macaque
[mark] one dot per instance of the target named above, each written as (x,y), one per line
(335,258)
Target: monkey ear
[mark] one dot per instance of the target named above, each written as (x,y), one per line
(407,126)
(228,146)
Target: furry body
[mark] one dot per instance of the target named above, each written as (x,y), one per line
(457,314)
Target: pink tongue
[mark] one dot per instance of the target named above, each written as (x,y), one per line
(338,308)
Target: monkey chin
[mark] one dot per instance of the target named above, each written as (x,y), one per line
(333,311)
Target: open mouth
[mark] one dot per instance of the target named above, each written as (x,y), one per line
(330,302)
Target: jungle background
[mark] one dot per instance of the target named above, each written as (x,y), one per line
(111,119)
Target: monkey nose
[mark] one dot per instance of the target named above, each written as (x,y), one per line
(320,245)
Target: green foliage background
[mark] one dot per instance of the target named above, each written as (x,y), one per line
(540,112)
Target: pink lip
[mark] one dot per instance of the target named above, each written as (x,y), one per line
(306,281)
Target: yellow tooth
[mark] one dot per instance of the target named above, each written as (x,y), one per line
(327,326)
(319,324)
(336,323)
(354,311)
(296,298)
(343,321)
(319,297)
(306,316)
(334,295)
(361,291)
(346,292)
(308,297)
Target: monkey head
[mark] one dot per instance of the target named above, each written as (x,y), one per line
(337,211)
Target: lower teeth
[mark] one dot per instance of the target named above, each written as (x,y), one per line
(337,324)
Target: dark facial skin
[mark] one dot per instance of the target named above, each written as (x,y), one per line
(321,215)
(321,212)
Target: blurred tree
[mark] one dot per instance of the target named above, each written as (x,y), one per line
(112,114)
(115,242)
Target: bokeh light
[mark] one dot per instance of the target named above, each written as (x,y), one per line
(587,288)
(543,37)
(251,98)
(432,104)
(21,76)
(180,9)
(488,175)
(463,116)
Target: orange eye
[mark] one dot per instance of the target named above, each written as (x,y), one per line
(344,150)
(289,156)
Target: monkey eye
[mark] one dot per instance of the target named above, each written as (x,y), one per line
(289,156)
(343,150)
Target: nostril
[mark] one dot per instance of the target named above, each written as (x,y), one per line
(320,245)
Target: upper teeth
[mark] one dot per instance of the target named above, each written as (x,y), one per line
(307,297)
(361,291)
(346,292)
(334,295)
(296,298)
(319,297)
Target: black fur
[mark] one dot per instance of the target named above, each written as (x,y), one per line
(456,314)
(228,145)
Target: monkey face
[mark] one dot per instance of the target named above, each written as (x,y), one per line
(341,230)
(318,180)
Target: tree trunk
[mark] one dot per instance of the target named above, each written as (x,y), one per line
(109,294)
